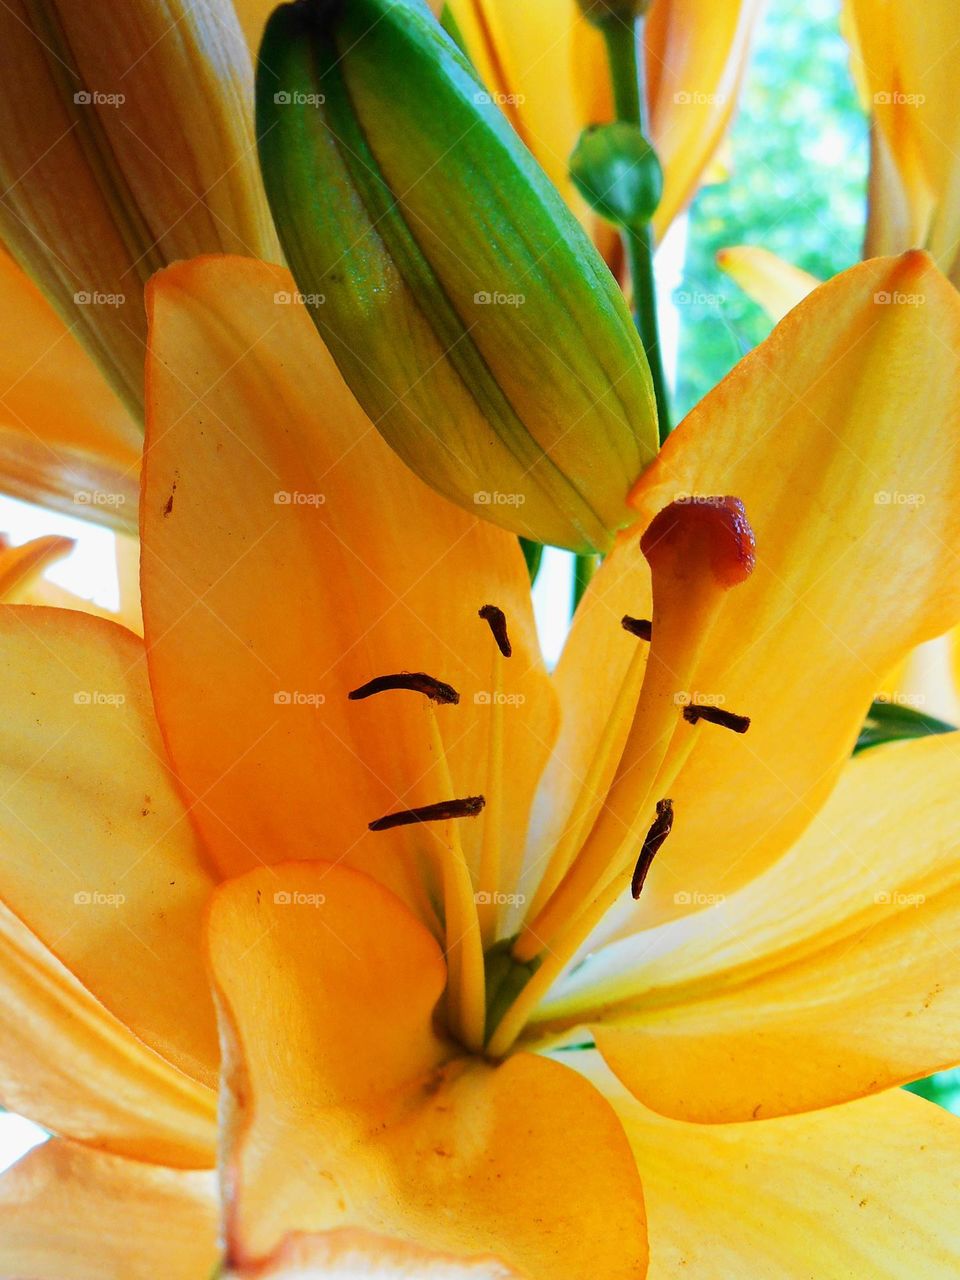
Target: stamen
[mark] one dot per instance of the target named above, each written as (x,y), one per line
(496,619)
(640,627)
(659,830)
(468,807)
(416,681)
(695,711)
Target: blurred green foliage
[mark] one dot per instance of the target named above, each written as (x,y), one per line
(942,1088)
(797,163)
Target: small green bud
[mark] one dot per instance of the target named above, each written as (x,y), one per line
(463,303)
(617,172)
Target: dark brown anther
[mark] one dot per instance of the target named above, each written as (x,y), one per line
(659,830)
(496,619)
(640,627)
(469,807)
(695,711)
(416,681)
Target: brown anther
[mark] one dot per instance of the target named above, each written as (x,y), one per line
(640,627)
(496,619)
(416,681)
(659,830)
(716,715)
(468,807)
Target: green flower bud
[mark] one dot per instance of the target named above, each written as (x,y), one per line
(617,172)
(464,305)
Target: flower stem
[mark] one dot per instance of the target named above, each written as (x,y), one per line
(623,41)
(584,567)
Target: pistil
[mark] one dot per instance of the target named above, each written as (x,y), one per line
(697,550)
(488,876)
(466,982)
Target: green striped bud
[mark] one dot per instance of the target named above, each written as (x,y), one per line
(467,310)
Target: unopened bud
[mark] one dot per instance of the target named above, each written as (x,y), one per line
(464,305)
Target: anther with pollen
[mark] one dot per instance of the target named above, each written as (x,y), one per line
(468,807)
(416,681)
(659,830)
(640,627)
(695,711)
(496,619)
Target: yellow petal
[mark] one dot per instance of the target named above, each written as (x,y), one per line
(253,15)
(360,1255)
(100,860)
(290,557)
(70,1213)
(66,440)
(773,284)
(927,680)
(866,1189)
(523,53)
(907,58)
(850,482)
(126,142)
(71,1066)
(344,1106)
(696,57)
(20,566)
(128,613)
(897,214)
(834,975)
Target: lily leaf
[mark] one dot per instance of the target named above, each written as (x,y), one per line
(893,722)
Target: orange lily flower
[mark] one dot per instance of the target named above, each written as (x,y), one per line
(229,825)
(903,58)
(696,54)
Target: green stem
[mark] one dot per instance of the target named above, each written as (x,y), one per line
(623,41)
(584,567)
